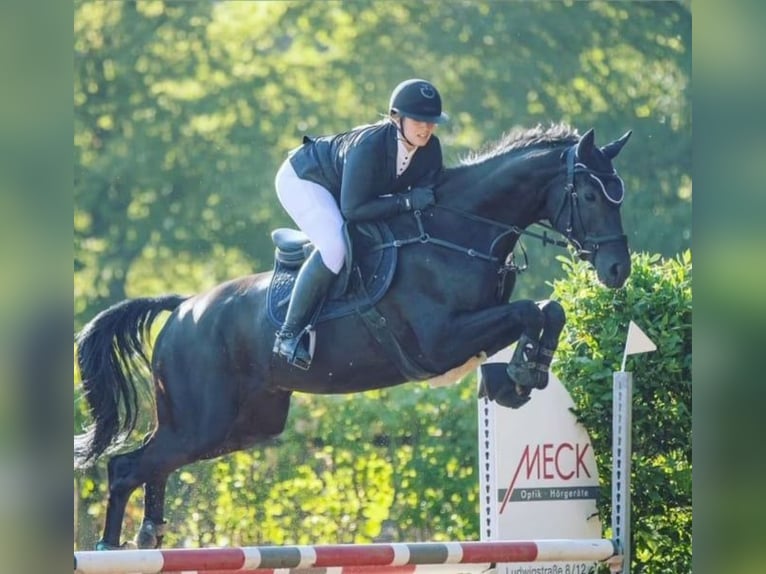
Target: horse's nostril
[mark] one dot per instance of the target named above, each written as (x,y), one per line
(616,271)
(619,272)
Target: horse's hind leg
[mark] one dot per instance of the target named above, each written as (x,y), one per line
(153,525)
(170,448)
(162,454)
(122,480)
(150,465)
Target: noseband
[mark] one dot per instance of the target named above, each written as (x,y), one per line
(591,243)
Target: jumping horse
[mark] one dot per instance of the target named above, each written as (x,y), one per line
(429,292)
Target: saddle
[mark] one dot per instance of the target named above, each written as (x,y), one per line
(365,278)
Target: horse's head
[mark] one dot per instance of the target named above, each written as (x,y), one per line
(586,208)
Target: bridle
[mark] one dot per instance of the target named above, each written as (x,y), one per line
(591,243)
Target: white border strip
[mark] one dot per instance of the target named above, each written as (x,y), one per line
(120,562)
(401,554)
(568,550)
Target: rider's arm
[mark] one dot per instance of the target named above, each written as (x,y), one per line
(363,193)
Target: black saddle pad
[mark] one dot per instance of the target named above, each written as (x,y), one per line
(371,275)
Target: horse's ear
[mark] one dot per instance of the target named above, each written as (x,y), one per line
(611,150)
(586,144)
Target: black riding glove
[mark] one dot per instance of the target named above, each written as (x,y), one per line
(417,198)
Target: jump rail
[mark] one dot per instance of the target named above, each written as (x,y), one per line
(253,558)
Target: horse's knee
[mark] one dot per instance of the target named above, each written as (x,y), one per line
(530,315)
(554,313)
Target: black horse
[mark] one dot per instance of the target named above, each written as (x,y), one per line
(432,294)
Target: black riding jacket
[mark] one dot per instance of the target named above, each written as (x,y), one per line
(359,168)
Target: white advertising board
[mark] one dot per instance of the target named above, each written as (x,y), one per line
(538,474)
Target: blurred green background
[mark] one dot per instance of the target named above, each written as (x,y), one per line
(730,312)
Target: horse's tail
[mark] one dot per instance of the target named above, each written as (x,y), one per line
(110,352)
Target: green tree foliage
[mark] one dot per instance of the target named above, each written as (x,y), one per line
(658,298)
(184,110)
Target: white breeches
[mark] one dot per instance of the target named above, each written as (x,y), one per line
(315,212)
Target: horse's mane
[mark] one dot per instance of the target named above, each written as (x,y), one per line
(523,138)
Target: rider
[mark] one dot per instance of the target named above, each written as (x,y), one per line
(370,172)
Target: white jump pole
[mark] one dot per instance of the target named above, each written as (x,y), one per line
(622,395)
(622,418)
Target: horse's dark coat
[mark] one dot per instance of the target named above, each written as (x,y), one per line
(218,388)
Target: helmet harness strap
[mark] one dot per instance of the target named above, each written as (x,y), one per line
(400,128)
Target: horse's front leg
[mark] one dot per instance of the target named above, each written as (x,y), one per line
(554,321)
(537,329)
(490,330)
(528,368)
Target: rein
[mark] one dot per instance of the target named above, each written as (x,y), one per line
(508,264)
(426,237)
(589,246)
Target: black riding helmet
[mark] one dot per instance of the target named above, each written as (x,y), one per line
(417,99)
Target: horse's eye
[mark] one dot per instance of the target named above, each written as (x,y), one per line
(590,196)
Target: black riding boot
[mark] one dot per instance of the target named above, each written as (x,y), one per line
(311,286)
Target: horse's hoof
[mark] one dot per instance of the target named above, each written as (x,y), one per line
(496,386)
(493,379)
(147,535)
(523,375)
(513,397)
(102,545)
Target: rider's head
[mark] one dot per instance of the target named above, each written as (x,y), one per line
(416,107)
(419,100)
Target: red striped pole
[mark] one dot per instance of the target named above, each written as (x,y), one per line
(348,556)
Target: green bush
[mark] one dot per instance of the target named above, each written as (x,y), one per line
(658,298)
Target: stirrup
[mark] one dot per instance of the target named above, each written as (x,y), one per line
(294,350)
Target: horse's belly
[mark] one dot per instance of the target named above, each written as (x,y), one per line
(352,377)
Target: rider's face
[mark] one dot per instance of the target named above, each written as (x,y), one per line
(416,131)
